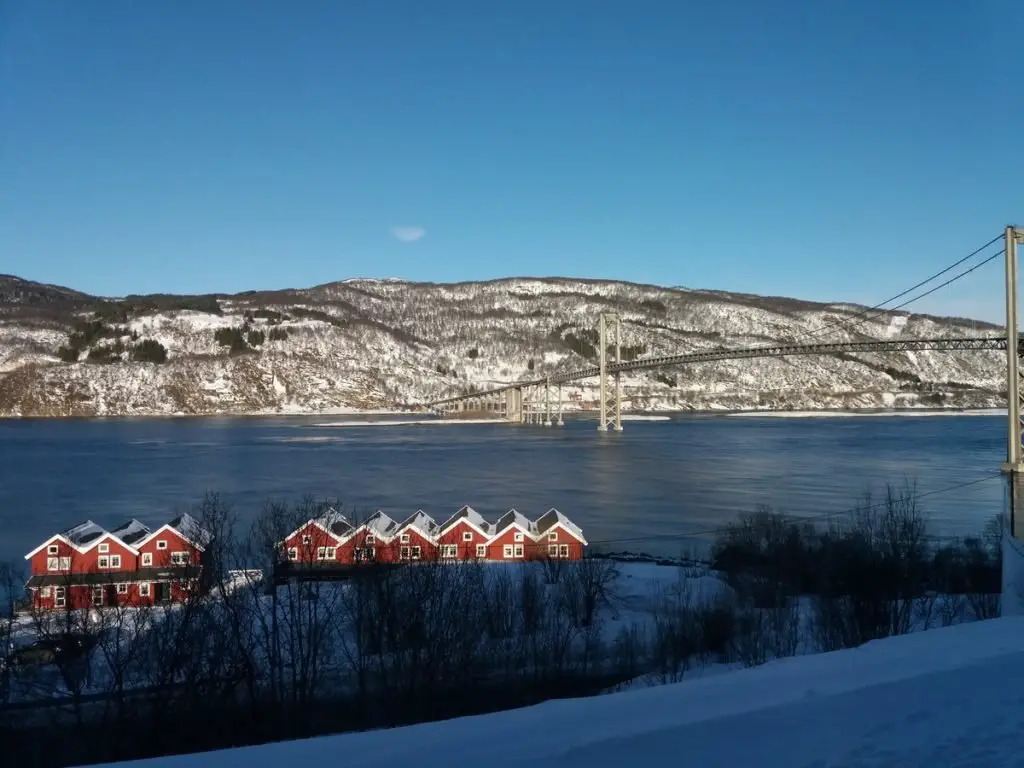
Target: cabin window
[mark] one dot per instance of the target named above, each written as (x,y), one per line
(58,563)
(517,537)
(507,550)
(59,597)
(553,536)
(552,550)
(161,544)
(104,548)
(563,550)
(481,550)
(449,551)
(115,561)
(405,538)
(52,549)
(416,552)
(293,553)
(403,553)
(519,550)
(97,597)
(371,540)
(325,553)
(44,592)
(104,562)
(179,558)
(467,535)
(144,590)
(147,558)
(122,589)
(307,540)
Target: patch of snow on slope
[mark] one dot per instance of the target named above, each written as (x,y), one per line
(948,697)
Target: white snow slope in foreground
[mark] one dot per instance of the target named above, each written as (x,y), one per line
(947,697)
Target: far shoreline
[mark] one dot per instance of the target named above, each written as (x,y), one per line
(353,417)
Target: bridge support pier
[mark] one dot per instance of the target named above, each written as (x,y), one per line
(610,392)
(560,423)
(1014,466)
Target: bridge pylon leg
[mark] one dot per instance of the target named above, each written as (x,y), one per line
(610,392)
(560,422)
(1014,466)
(547,404)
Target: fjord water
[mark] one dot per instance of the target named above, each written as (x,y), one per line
(642,490)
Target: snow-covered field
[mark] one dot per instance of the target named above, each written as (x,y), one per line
(949,697)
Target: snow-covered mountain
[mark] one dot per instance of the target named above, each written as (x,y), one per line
(373,344)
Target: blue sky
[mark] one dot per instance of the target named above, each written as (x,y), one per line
(814,148)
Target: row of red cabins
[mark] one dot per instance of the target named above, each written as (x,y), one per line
(88,566)
(331,539)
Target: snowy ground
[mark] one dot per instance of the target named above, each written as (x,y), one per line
(949,697)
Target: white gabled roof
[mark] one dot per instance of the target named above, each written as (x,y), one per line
(131,532)
(85,535)
(555,519)
(380,525)
(185,526)
(331,522)
(470,516)
(422,522)
(515,519)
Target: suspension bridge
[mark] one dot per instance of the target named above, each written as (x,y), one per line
(539,400)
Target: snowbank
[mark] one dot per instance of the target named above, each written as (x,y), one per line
(939,698)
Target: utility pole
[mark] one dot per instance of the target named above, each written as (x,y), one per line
(1013,467)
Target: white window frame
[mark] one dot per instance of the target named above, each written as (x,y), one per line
(103,563)
(404,538)
(553,536)
(60,597)
(103,548)
(449,551)
(97,597)
(467,535)
(147,558)
(326,553)
(403,553)
(370,540)
(552,550)
(519,550)
(517,536)
(144,589)
(507,551)
(179,558)
(122,589)
(161,544)
(53,549)
(307,540)
(563,550)
(481,550)
(115,561)
(293,554)
(417,552)
(44,592)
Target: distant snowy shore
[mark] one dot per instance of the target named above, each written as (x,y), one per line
(852,414)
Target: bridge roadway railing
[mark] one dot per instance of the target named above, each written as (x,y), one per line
(964,344)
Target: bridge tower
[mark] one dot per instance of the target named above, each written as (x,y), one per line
(1014,466)
(610,391)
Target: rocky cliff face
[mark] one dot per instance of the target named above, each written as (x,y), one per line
(368,344)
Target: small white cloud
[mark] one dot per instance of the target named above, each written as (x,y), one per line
(408,234)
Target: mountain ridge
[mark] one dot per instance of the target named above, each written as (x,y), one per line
(365,343)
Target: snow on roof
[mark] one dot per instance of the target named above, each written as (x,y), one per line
(380,524)
(190,528)
(422,521)
(131,531)
(939,698)
(470,515)
(553,517)
(83,534)
(335,522)
(517,518)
